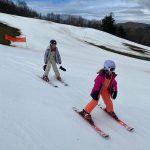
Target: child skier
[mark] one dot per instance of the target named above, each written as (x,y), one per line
(51,57)
(105,86)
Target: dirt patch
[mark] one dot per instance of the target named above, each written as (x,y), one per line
(6,29)
(137,49)
(119,52)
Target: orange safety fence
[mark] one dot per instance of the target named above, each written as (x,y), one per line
(22,39)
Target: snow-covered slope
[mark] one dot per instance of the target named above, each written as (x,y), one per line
(36,116)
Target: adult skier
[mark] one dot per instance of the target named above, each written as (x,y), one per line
(51,58)
(105,86)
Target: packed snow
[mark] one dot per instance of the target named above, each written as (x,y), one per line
(36,116)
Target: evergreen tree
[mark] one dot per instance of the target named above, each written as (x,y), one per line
(108,24)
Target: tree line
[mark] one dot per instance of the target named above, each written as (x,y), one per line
(21,8)
(107,24)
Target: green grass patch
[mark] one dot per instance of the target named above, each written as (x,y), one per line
(5,29)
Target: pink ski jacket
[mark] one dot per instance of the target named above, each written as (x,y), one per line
(99,80)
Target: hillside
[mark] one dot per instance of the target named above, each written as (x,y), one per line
(36,116)
(134,25)
(137,32)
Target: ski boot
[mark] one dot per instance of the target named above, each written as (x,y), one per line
(58,78)
(87,116)
(113,115)
(45,78)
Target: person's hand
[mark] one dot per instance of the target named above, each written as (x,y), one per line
(62,68)
(94,95)
(114,94)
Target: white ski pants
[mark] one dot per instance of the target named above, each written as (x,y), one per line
(52,63)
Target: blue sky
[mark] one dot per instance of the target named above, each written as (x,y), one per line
(124,10)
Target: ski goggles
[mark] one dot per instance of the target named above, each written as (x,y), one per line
(111,69)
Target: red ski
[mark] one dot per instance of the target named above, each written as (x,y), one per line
(98,130)
(119,121)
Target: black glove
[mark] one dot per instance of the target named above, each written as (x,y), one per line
(94,95)
(113,94)
(62,68)
(44,67)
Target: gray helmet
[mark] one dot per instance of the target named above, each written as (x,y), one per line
(53,42)
(109,65)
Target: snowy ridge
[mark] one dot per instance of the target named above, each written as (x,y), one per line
(36,116)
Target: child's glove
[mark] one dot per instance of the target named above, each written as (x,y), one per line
(44,67)
(94,95)
(113,94)
(62,68)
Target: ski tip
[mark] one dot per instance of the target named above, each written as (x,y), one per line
(100,106)
(106,136)
(130,129)
(55,86)
(74,108)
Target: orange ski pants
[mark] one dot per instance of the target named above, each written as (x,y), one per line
(106,98)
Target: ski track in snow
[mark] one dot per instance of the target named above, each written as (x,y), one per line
(37,116)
